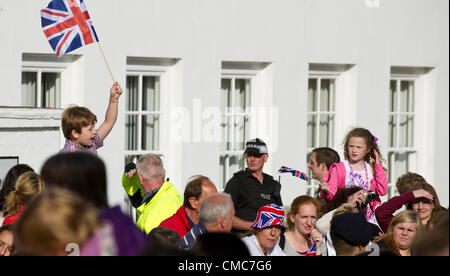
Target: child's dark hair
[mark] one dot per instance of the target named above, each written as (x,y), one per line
(371,142)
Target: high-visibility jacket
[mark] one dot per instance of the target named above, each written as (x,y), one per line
(162,206)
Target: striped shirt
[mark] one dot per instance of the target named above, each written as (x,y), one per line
(191,237)
(70,146)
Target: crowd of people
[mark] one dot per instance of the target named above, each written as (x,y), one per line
(63,210)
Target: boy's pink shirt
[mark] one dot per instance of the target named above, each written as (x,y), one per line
(70,146)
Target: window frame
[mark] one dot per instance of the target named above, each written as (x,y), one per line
(318,113)
(345,92)
(141,74)
(169,72)
(227,154)
(392,176)
(37,63)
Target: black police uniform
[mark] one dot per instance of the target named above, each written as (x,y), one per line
(248,194)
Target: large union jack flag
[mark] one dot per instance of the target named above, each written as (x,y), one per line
(67,25)
(295,173)
(269,215)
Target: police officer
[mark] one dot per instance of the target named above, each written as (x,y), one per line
(251,188)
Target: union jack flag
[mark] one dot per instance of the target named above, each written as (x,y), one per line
(295,173)
(269,215)
(312,251)
(67,25)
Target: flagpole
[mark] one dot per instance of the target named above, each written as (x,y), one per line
(106,62)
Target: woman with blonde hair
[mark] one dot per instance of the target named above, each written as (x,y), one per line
(55,222)
(27,186)
(85,175)
(403,230)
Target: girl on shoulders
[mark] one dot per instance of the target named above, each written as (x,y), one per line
(362,168)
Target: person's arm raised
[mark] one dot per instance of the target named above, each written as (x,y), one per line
(111,112)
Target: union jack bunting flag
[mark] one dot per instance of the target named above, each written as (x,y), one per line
(312,251)
(67,25)
(269,215)
(295,173)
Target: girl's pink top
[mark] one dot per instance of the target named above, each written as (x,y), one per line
(336,180)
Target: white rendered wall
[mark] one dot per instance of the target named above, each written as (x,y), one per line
(288,34)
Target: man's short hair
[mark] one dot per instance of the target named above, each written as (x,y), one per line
(193,189)
(164,237)
(215,207)
(340,245)
(150,166)
(75,118)
(327,156)
(409,182)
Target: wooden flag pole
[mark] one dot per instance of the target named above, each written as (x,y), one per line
(106,62)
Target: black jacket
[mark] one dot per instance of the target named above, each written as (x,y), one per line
(248,194)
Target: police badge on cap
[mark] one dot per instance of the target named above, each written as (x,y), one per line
(256,146)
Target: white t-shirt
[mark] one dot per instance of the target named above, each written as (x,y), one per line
(255,250)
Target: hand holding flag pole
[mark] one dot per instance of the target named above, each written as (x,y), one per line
(68,26)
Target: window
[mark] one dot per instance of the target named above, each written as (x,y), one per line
(241,119)
(150,83)
(235,101)
(41,88)
(142,116)
(142,113)
(402,151)
(43,79)
(321,117)
(411,124)
(146,82)
(325,81)
(321,112)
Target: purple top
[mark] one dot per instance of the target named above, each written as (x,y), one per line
(385,212)
(130,240)
(120,236)
(69,146)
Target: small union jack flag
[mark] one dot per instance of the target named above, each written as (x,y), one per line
(67,25)
(295,173)
(312,251)
(269,215)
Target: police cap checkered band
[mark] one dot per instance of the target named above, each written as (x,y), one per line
(256,145)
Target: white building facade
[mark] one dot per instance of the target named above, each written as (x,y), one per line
(202,76)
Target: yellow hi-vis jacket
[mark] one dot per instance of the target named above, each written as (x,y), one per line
(163,205)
